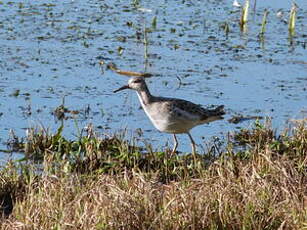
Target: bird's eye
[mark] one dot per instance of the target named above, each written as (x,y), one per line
(138,81)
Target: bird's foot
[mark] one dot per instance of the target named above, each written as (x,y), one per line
(171,152)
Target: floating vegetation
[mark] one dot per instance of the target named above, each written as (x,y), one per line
(240,118)
(16,93)
(120,50)
(136,3)
(114,68)
(60,112)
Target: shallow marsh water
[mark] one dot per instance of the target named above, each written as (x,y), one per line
(52,49)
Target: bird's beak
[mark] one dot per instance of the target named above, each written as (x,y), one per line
(121,88)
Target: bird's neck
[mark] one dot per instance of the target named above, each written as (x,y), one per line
(145,96)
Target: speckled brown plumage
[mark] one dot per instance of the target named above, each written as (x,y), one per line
(172,115)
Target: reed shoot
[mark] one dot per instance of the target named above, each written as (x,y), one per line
(244,15)
(292,19)
(264,22)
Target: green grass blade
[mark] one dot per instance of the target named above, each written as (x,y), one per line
(292,19)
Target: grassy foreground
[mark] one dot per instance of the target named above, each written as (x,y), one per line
(258,182)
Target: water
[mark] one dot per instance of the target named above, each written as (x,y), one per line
(51,49)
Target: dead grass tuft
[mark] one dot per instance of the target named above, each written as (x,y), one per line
(261,187)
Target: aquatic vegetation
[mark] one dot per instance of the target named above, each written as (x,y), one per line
(154,23)
(262,186)
(225,27)
(200,44)
(263,24)
(244,15)
(292,19)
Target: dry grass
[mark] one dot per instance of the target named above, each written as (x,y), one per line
(262,187)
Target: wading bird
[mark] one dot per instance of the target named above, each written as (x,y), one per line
(172,115)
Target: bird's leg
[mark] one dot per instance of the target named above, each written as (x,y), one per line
(192,144)
(175,144)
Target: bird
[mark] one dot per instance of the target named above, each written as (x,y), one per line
(172,115)
(236,4)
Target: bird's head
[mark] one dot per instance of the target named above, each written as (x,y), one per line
(135,83)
